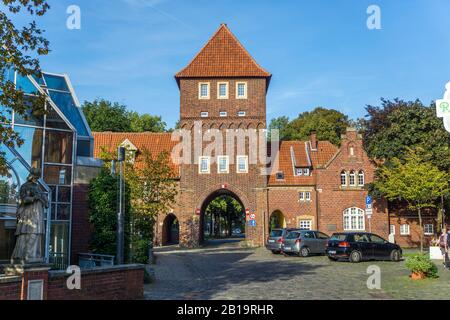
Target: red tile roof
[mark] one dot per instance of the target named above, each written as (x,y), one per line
(223,56)
(299,154)
(155,143)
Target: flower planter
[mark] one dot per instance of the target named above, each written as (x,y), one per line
(417,276)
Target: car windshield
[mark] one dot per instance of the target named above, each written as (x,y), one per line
(293,235)
(338,237)
(276,233)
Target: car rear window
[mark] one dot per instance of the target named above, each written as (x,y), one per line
(338,237)
(276,233)
(292,235)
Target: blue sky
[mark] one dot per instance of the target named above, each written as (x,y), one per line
(320,52)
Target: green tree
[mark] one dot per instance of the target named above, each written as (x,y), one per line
(103,115)
(146,123)
(152,190)
(329,124)
(20,49)
(282,125)
(103,201)
(415,180)
(221,213)
(392,128)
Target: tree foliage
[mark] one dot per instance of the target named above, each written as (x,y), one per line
(103,205)
(103,115)
(20,49)
(414,180)
(151,188)
(222,212)
(329,124)
(395,126)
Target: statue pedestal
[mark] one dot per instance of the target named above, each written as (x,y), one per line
(34,279)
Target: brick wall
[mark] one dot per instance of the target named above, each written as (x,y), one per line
(10,288)
(334,199)
(81,228)
(113,283)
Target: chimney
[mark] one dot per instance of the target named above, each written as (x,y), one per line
(313,139)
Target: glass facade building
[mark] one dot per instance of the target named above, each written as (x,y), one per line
(52,143)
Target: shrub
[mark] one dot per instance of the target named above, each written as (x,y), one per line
(420,263)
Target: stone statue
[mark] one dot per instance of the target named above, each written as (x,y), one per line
(30,222)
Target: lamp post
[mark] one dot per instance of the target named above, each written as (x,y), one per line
(121,210)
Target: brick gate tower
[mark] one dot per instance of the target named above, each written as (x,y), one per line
(224,89)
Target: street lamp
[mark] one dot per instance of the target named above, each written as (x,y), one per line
(121,209)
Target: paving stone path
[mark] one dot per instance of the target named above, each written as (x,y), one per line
(232,273)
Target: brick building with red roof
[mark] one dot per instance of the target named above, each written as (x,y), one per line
(317,185)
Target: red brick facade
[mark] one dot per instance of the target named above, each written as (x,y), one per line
(114,283)
(316,198)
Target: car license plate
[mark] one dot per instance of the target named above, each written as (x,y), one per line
(288,248)
(332,252)
(271,241)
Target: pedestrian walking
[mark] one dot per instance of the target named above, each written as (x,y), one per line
(444,240)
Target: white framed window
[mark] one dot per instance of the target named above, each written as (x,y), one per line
(392,229)
(301,196)
(223,164)
(242,164)
(223,114)
(204,165)
(306,172)
(361,180)
(203,90)
(343,178)
(354,219)
(298,171)
(242,113)
(352,178)
(428,229)
(308,196)
(305,224)
(222,90)
(241,90)
(404,230)
(204,114)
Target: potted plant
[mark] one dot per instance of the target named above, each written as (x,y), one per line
(421,267)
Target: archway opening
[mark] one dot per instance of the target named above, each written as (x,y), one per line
(171,230)
(277,220)
(223,217)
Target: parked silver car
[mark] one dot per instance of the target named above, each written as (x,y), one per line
(304,243)
(276,238)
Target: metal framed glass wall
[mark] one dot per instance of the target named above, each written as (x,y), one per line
(50,144)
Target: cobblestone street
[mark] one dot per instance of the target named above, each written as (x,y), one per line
(229,272)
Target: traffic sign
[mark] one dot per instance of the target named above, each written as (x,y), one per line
(252,216)
(368,206)
(368,200)
(369,213)
(252,223)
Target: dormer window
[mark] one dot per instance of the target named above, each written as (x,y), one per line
(222,90)
(203,88)
(302,172)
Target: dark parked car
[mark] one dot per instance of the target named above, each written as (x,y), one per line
(305,242)
(275,239)
(359,246)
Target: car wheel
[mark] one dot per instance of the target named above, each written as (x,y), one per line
(304,252)
(355,257)
(395,256)
(276,252)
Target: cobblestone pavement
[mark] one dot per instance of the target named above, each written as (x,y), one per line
(232,273)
